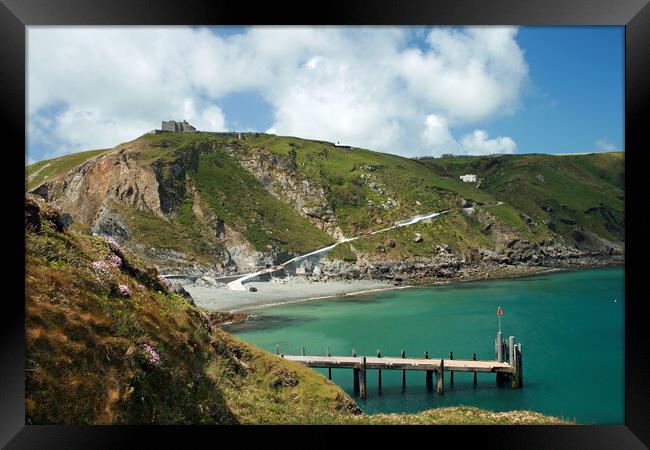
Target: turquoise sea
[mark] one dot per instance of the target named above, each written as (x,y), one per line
(570,324)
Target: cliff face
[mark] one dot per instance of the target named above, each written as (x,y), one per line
(84,190)
(279,175)
(197,203)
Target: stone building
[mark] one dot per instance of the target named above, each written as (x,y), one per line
(176,127)
(468,178)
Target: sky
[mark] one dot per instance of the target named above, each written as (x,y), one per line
(412,91)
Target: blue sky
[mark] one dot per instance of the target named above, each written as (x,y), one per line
(410,91)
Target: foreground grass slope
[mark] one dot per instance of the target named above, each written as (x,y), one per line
(107,342)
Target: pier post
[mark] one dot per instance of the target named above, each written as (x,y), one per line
(363,379)
(498,343)
(440,378)
(429,374)
(329,369)
(511,350)
(451,372)
(379,372)
(474,358)
(303,351)
(355,374)
(403,372)
(517,378)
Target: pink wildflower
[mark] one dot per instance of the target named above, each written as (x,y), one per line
(124,290)
(152,354)
(207,320)
(102,269)
(114,260)
(165,282)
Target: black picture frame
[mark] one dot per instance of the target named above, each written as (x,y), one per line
(16,15)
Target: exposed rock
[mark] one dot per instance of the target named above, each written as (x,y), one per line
(32,218)
(208,280)
(418,237)
(567,221)
(219,228)
(180,290)
(578,235)
(391,243)
(109,223)
(311,201)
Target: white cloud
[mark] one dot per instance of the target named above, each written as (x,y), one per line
(369,87)
(478,143)
(439,138)
(605,146)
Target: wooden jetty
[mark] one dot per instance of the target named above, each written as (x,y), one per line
(507,366)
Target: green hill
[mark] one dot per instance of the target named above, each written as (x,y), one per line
(108,342)
(200,200)
(564,194)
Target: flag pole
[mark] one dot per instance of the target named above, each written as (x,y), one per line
(499,320)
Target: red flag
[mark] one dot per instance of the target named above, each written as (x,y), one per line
(499,311)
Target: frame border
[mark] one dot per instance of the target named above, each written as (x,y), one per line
(16,15)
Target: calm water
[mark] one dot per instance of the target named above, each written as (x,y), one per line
(571,326)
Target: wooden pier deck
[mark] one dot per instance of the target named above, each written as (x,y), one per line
(507,366)
(351,362)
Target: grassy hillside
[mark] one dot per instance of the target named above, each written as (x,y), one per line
(356,176)
(562,193)
(225,191)
(108,343)
(278,194)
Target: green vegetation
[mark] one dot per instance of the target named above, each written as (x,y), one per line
(355,176)
(559,193)
(532,197)
(46,170)
(239,200)
(343,252)
(184,234)
(108,343)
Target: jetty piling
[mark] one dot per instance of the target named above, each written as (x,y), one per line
(440,375)
(329,369)
(474,359)
(379,373)
(363,379)
(403,371)
(429,374)
(451,372)
(355,374)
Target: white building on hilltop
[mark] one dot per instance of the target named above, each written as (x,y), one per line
(469,178)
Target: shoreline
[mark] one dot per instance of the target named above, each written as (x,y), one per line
(245,311)
(323,297)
